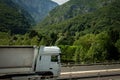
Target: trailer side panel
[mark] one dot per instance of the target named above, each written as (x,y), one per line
(15,57)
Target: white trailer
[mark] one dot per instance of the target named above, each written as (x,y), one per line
(19,61)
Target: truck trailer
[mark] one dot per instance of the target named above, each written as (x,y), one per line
(27,61)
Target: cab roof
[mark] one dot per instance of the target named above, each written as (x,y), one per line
(50,50)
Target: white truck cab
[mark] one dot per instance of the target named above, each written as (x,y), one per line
(49,60)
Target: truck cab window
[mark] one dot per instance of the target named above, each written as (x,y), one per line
(54,58)
(40,58)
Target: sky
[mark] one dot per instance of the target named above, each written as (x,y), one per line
(60,2)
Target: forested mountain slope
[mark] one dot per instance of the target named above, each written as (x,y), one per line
(89,37)
(73,8)
(104,18)
(12,18)
(38,9)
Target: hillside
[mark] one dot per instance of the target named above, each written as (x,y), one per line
(38,9)
(12,18)
(73,8)
(106,17)
(90,37)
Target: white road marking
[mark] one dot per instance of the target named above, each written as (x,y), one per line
(90,71)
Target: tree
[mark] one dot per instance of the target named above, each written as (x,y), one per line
(77,57)
(34,40)
(117,44)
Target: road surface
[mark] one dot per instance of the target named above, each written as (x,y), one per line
(92,72)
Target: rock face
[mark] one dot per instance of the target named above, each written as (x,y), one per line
(38,9)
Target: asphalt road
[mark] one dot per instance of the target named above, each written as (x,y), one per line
(102,78)
(89,67)
(91,72)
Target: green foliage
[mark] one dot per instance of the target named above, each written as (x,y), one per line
(4,38)
(35,41)
(96,48)
(12,19)
(77,55)
(117,44)
(67,53)
(65,39)
(71,9)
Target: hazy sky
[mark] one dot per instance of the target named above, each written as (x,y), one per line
(60,1)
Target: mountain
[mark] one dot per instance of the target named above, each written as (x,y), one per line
(73,8)
(105,17)
(12,18)
(92,36)
(38,9)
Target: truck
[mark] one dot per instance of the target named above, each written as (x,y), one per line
(29,61)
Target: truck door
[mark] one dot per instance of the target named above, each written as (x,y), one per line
(43,63)
(55,65)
